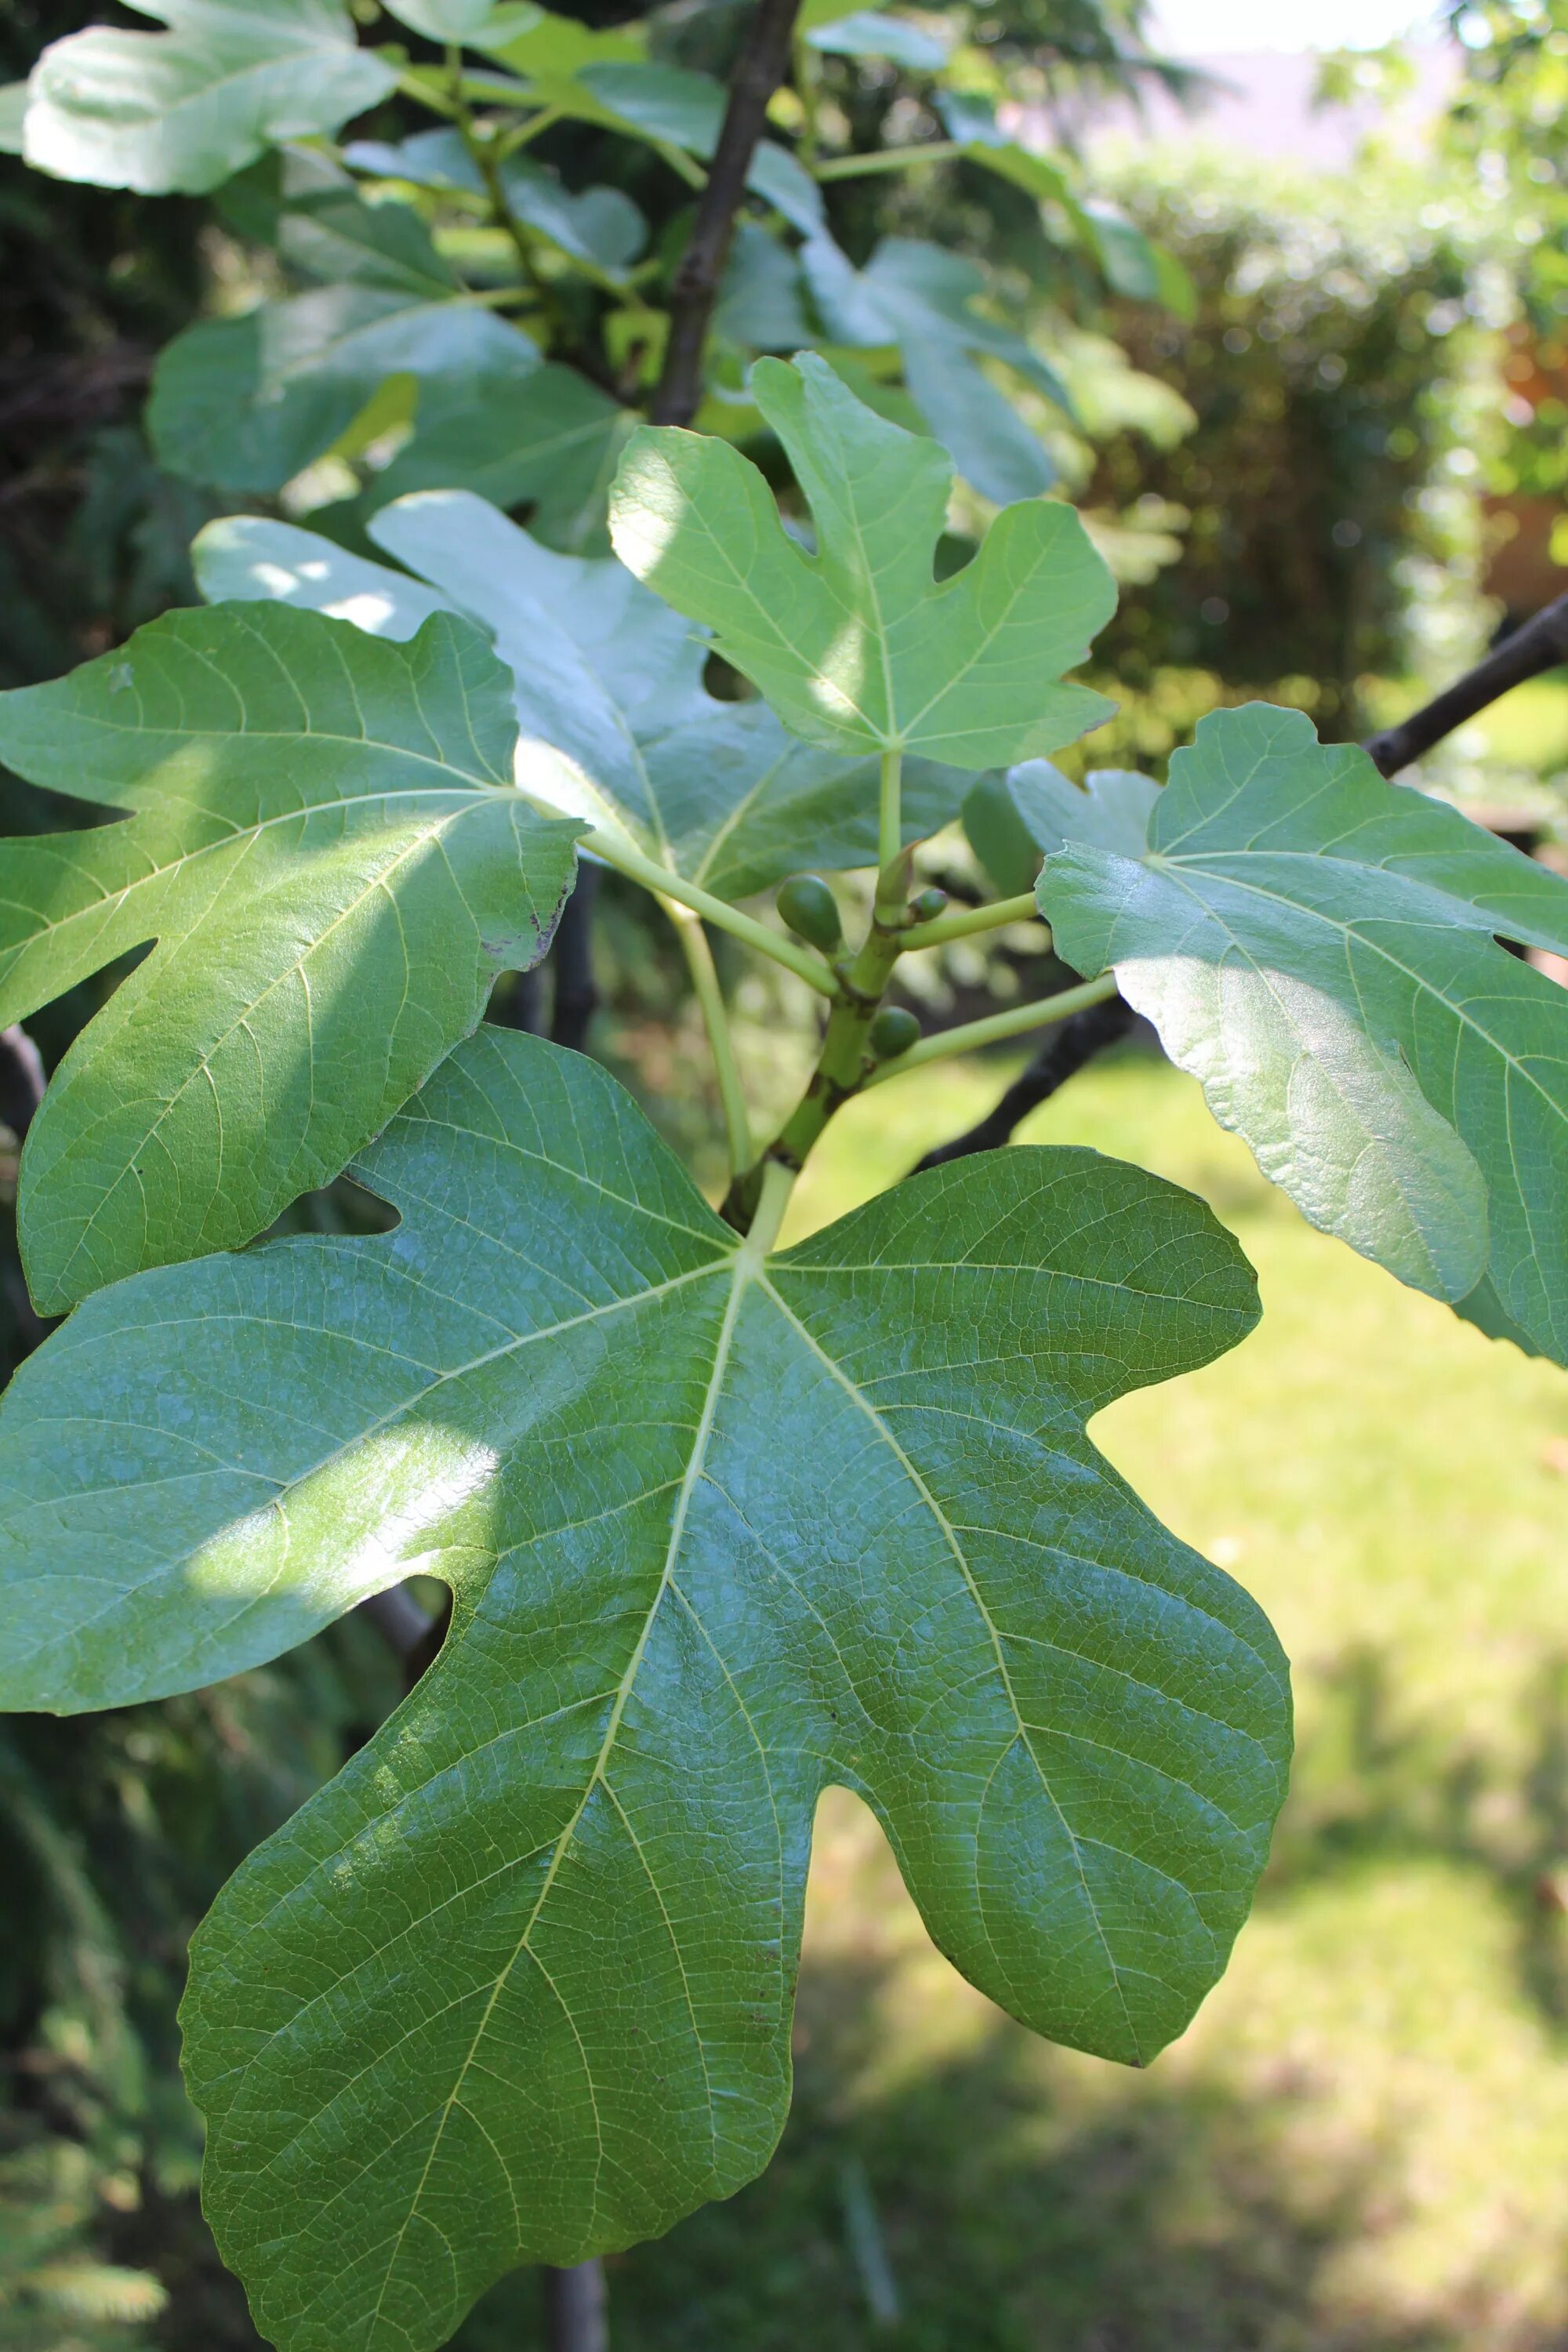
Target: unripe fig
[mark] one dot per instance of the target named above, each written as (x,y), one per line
(894,1031)
(811,911)
(928,904)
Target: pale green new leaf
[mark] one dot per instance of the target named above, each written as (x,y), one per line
(616,724)
(328,848)
(185,109)
(855,647)
(720,1530)
(1321,949)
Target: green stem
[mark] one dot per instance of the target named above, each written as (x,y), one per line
(665,883)
(889,159)
(680,162)
(419,85)
(841,1070)
(772,1200)
(716,1020)
(889,824)
(496,89)
(521,133)
(808,86)
(482,155)
(997,1026)
(959,925)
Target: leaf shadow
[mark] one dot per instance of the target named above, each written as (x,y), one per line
(1369,1789)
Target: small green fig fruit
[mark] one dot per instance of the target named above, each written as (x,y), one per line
(811,911)
(894,1031)
(928,904)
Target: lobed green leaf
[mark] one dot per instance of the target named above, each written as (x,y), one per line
(326,845)
(617,726)
(1322,950)
(721,1531)
(185,109)
(856,646)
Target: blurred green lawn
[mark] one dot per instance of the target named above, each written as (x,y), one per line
(1362,2143)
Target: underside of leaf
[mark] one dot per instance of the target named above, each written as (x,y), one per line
(1323,950)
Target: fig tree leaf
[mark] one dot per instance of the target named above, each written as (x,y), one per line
(760,305)
(616,724)
(245,402)
(1033,810)
(720,1530)
(534,41)
(599,226)
(665,106)
(856,646)
(444,20)
(551,439)
(326,845)
(868,33)
(185,109)
(1321,949)
(1131,263)
(1015,818)
(922,298)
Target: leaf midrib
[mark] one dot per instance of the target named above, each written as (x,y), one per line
(745,1268)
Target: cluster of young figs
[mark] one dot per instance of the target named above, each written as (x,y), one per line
(810,910)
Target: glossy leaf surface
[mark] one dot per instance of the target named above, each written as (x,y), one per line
(617,726)
(1321,949)
(184,110)
(721,1531)
(856,646)
(327,847)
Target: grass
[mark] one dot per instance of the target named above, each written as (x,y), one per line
(1362,2145)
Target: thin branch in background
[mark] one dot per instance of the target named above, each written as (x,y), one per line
(760,69)
(1064,1053)
(1539,644)
(22,1080)
(22,1084)
(576,2309)
(577,996)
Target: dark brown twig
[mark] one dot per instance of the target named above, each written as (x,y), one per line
(1540,644)
(22,1083)
(576,994)
(757,73)
(1067,1048)
(21,1080)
